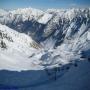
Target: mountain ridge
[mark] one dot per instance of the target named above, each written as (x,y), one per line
(57,34)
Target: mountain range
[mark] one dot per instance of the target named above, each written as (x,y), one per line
(55,40)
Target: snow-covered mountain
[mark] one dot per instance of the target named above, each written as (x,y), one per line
(43,24)
(51,42)
(3,12)
(15,48)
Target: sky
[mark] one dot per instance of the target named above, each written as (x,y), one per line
(43,4)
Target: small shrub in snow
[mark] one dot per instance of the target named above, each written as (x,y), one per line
(75,65)
(67,67)
(3,45)
(89,59)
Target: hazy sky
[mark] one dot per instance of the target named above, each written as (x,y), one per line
(43,4)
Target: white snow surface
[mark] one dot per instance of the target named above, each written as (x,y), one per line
(16,56)
(42,61)
(21,53)
(39,15)
(45,18)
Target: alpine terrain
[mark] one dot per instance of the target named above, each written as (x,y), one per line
(45,50)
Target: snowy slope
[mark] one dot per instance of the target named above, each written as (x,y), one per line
(56,31)
(60,45)
(45,18)
(62,34)
(77,78)
(18,47)
(17,39)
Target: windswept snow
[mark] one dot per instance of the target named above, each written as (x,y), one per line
(18,50)
(45,18)
(17,39)
(57,48)
(68,29)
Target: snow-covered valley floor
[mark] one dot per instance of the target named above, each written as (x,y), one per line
(72,78)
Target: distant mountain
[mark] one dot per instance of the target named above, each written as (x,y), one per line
(43,24)
(3,12)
